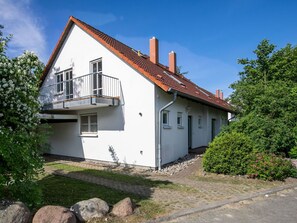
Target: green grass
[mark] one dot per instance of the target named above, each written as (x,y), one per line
(58,190)
(125,178)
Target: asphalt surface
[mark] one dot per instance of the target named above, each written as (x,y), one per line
(280,207)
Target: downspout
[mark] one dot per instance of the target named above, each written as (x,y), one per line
(160,128)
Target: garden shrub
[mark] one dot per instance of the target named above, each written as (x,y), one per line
(293,153)
(21,136)
(268,166)
(229,153)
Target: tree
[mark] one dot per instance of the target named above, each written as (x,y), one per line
(265,101)
(20,139)
(265,97)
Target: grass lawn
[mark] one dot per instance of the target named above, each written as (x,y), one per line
(64,191)
(121,177)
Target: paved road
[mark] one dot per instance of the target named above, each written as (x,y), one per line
(275,208)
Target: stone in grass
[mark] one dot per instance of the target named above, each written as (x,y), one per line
(54,214)
(14,212)
(89,209)
(123,208)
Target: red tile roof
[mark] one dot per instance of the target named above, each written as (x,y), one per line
(157,73)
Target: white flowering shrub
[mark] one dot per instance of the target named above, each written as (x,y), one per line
(20,139)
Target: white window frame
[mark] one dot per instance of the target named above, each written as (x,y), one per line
(165,122)
(60,81)
(179,119)
(97,81)
(59,78)
(89,132)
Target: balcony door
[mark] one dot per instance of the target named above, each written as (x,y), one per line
(69,84)
(96,70)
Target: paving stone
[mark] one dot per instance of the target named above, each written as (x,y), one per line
(174,200)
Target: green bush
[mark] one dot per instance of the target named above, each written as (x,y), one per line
(270,167)
(268,134)
(293,153)
(229,153)
(21,138)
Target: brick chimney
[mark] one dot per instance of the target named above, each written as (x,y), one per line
(154,50)
(172,62)
(221,95)
(218,93)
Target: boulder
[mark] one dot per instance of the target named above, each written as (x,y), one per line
(14,212)
(123,208)
(54,214)
(88,209)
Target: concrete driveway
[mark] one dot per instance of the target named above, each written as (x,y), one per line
(274,208)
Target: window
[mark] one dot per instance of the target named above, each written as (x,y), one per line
(69,84)
(199,121)
(68,77)
(165,118)
(88,124)
(59,82)
(96,69)
(179,119)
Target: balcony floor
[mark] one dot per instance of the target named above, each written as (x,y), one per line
(82,103)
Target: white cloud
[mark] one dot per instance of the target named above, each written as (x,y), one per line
(206,72)
(18,19)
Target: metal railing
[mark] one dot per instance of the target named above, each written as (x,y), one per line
(89,85)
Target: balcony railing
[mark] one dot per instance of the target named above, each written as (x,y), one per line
(94,85)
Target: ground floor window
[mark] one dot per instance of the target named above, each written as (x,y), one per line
(179,119)
(88,124)
(165,118)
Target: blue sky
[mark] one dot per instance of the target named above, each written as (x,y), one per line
(208,36)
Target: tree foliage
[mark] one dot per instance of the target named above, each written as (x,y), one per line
(20,136)
(265,97)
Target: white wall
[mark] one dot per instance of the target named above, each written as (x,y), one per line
(128,128)
(174,139)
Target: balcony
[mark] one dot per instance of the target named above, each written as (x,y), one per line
(87,91)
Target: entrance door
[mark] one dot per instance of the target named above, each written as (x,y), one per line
(96,67)
(69,84)
(189,132)
(213,128)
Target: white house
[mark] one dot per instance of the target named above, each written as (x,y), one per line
(108,102)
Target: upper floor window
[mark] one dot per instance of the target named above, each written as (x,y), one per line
(59,82)
(64,79)
(96,69)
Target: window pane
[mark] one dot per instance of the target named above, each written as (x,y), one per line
(94,81)
(99,66)
(84,120)
(84,128)
(179,118)
(94,67)
(165,118)
(94,119)
(93,128)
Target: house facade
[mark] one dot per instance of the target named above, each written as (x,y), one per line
(106,101)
